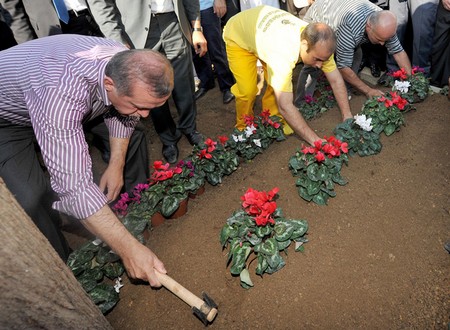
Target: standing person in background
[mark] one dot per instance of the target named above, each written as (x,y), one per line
(280,40)
(423,18)
(440,59)
(32,19)
(211,11)
(6,35)
(172,28)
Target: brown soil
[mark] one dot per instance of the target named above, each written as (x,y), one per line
(375,257)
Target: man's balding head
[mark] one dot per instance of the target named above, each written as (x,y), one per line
(315,33)
(141,66)
(381,26)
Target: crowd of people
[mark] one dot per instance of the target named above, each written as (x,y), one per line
(68,67)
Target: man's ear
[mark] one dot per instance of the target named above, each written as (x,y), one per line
(109,84)
(304,45)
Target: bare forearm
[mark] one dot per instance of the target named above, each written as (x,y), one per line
(340,93)
(403,61)
(350,76)
(119,149)
(111,181)
(139,261)
(293,117)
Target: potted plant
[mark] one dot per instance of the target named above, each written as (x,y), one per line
(358,134)
(311,108)
(386,112)
(318,168)
(259,231)
(414,88)
(91,264)
(212,160)
(259,133)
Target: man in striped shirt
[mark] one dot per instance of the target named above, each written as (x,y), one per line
(356,22)
(49,88)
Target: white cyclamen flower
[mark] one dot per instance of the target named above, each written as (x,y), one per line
(249,130)
(257,142)
(118,284)
(402,86)
(364,122)
(235,138)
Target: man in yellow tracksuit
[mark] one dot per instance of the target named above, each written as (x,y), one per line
(280,41)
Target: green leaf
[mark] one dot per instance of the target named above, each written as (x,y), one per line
(213,178)
(246,282)
(339,179)
(270,246)
(262,264)
(320,199)
(253,238)
(389,129)
(88,283)
(330,193)
(304,194)
(225,234)
(104,296)
(301,227)
(239,257)
(170,204)
(322,173)
(283,231)
(104,255)
(312,172)
(80,260)
(262,231)
(275,262)
(313,187)
(284,244)
(113,270)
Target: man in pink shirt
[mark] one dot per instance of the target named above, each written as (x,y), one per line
(49,88)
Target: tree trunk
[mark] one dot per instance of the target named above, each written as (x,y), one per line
(37,290)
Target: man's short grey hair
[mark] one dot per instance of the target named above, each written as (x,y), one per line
(319,32)
(141,65)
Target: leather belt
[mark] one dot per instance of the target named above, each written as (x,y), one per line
(73,13)
(161,14)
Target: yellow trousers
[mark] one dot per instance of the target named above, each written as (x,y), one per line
(243,65)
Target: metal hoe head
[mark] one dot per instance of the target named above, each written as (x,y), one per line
(207,311)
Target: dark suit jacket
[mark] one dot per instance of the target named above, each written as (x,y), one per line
(37,18)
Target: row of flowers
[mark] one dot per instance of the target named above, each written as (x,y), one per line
(96,266)
(318,170)
(258,228)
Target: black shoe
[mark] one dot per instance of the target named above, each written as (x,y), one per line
(170,153)
(375,70)
(383,79)
(227,96)
(194,138)
(202,92)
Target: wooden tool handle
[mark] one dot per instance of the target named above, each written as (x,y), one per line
(187,296)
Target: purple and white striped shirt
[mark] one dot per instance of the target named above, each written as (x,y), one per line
(55,84)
